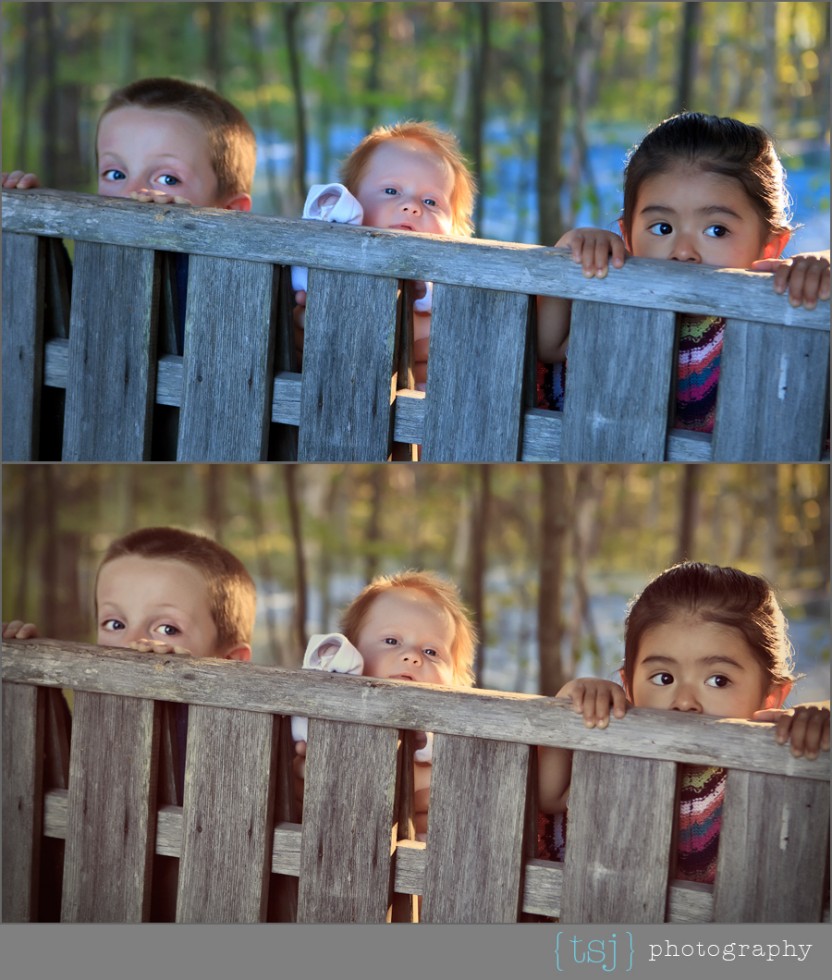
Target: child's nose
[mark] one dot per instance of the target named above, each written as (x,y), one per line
(411,205)
(412,655)
(684,250)
(685,699)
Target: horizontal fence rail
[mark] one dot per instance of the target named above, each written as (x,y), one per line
(87,369)
(93,817)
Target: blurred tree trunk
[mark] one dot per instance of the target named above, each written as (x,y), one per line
(261,528)
(582,181)
(688,49)
(216,42)
(586,532)
(372,85)
(554,70)
(553,527)
(480,61)
(291,12)
(50,152)
(768,88)
(216,507)
(373,537)
(264,119)
(31,15)
(299,638)
(688,512)
(478,562)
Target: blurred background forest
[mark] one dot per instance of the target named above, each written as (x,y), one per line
(547,557)
(546,97)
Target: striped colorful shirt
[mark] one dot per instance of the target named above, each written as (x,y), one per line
(700,819)
(700,353)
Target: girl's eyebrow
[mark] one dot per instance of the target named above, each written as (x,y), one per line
(711,660)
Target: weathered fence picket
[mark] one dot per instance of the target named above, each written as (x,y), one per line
(238,396)
(352,856)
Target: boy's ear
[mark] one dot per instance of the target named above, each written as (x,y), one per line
(773,248)
(777,694)
(240,652)
(240,202)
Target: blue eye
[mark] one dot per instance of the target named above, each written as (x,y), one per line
(167,630)
(391,641)
(114,174)
(661,228)
(390,190)
(430,652)
(430,202)
(716,231)
(168,180)
(113,624)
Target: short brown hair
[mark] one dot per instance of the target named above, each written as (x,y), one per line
(716,595)
(445,145)
(231,138)
(444,593)
(231,592)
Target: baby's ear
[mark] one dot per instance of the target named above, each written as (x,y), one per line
(777,694)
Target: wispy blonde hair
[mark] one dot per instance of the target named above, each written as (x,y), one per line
(444,593)
(444,144)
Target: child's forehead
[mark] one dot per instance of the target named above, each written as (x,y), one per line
(400,151)
(406,599)
(121,572)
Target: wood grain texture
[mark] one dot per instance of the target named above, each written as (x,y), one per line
(227,816)
(111,374)
(498,715)
(616,404)
(474,415)
(475,831)
(617,857)
(528,269)
(773,397)
(348,364)
(23,736)
(348,817)
(111,819)
(23,284)
(773,850)
(229,349)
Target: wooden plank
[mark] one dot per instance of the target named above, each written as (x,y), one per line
(228,370)
(617,857)
(23,724)
(348,362)
(499,715)
(23,284)
(530,269)
(474,862)
(616,405)
(227,816)
(773,849)
(474,404)
(111,820)
(346,869)
(111,374)
(773,396)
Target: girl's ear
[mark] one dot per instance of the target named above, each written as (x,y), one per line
(777,694)
(624,235)
(773,248)
(623,680)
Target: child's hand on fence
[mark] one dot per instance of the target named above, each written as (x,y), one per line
(804,276)
(593,698)
(157,646)
(805,726)
(17,178)
(593,248)
(16,629)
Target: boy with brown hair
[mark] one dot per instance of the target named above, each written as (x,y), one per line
(166,590)
(170,141)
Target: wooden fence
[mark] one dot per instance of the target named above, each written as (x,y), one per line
(92,372)
(93,830)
